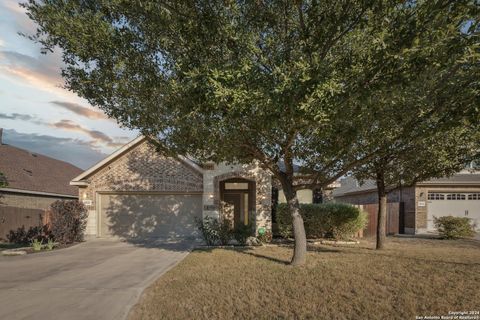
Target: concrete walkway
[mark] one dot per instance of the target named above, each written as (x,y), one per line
(100,279)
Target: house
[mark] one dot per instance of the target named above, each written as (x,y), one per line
(137,192)
(458,195)
(34,181)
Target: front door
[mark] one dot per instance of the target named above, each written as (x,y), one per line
(236,204)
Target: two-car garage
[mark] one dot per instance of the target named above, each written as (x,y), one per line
(148,215)
(459,204)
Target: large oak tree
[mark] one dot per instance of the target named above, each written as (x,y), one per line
(241,81)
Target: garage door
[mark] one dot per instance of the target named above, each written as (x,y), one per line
(453,204)
(148,215)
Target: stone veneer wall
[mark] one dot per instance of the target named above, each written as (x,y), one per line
(140,169)
(211,196)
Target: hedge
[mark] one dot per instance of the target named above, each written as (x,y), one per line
(330,220)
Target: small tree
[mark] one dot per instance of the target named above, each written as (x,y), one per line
(68,220)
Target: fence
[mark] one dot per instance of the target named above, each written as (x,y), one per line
(12,218)
(393,218)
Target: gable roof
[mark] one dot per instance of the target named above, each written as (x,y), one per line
(79,180)
(28,171)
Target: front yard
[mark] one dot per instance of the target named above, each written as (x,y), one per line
(412,277)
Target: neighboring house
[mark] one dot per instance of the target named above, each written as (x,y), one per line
(137,192)
(34,181)
(458,195)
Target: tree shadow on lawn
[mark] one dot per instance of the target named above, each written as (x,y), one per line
(251,252)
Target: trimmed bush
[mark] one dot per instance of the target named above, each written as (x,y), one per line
(330,220)
(454,227)
(68,220)
(242,232)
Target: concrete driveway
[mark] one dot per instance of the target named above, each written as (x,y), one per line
(100,279)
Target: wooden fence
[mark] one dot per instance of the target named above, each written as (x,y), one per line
(393,218)
(12,218)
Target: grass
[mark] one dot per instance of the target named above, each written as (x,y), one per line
(411,277)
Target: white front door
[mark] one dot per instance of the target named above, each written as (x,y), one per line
(460,204)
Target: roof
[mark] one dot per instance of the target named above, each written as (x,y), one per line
(79,179)
(27,171)
(350,185)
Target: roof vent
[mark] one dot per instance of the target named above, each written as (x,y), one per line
(29,172)
(34,155)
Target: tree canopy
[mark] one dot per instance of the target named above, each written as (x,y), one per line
(267,81)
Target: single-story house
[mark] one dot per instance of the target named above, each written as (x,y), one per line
(137,192)
(34,181)
(458,195)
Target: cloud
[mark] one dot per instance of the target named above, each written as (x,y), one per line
(44,73)
(77,152)
(22,117)
(80,110)
(97,136)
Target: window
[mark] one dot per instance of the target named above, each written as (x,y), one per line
(236,185)
(474,196)
(456,196)
(436,196)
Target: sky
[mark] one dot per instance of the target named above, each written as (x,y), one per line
(36,113)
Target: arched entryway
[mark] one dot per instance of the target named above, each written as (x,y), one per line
(238,200)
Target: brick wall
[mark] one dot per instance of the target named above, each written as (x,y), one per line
(27,201)
(140,169)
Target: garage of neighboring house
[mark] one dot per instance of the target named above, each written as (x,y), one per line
(138,193)
(460,204)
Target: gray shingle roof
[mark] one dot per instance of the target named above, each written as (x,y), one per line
(29,171)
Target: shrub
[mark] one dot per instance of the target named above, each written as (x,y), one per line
(265,237)
(68,220)
(50,245)
(225,232)
(22,236)
(331,220)
(208,227)
(242,232)
(454,227)
(37,245)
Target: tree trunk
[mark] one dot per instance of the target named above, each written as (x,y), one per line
(300,249)
(382,211)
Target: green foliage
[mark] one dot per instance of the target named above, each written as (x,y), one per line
(37,245)
(331,220)
(450,227)
(3,181)
(50,245)
(225,231)
(23,236)
(68,220)
(242,232)
(208,228)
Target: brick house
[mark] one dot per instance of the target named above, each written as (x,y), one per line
(34,181)
(458,195)
(137,192)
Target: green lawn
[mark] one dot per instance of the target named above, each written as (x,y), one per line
(411,277)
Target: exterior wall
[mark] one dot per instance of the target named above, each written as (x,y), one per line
(141,169)
(219,172)
(421,193)
(304,196)
(27,201)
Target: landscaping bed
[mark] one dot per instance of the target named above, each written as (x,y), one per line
(412,277)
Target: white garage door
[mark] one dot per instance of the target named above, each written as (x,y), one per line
(148,215)
(453,204)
